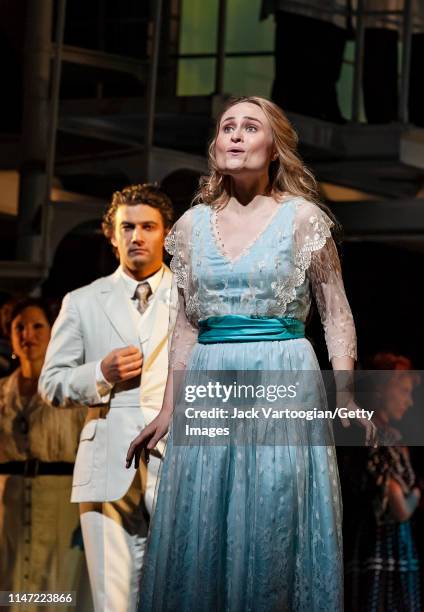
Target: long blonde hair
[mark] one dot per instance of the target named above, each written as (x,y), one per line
(287,174)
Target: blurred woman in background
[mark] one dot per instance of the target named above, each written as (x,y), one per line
(39,548)
(382,568)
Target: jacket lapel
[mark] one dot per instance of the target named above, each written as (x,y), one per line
(114,301)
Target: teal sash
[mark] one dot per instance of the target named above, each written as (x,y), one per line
(240,328)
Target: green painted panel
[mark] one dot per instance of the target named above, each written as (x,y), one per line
(245,32)
(249,76)
(198,26)
(196,77)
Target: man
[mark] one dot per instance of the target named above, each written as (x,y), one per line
(310,38)
(109,350)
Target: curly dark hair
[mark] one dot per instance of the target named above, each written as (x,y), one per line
(147,193)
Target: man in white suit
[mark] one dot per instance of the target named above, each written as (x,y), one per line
(109,350)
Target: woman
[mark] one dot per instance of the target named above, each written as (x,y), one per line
(250,527)
(39,548)
(382,568)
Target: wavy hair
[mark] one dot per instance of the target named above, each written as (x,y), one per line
(287,174)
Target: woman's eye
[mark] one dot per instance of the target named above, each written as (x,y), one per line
(228,128)
(251,128)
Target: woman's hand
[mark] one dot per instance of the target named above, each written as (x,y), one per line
(147,439)
(343,368)
(417,492)
(402,506)
(369,427)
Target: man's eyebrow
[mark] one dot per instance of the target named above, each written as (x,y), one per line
(124,222)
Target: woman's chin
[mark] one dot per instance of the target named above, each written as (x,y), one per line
(32,355)
(234,169)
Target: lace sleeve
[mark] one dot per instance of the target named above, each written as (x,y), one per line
(184,336)
(177,245)
(319,252)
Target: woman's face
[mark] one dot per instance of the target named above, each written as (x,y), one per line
(244,143)
(397,395)
(30,334)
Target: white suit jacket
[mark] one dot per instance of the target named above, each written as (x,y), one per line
(93,321)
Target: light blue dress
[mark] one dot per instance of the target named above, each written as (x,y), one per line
(251,527)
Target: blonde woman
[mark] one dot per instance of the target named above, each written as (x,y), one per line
(250,526)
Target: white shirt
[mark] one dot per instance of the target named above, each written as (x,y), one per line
(140,321)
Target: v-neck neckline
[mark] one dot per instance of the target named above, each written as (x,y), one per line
(220,246)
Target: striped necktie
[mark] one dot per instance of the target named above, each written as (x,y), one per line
(142,293)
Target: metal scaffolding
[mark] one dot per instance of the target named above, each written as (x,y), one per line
(44,59)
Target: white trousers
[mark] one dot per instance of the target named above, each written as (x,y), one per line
(114,535)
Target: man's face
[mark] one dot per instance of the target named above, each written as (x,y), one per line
(139,235)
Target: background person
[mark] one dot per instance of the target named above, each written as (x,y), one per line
(39,526)
(382,568)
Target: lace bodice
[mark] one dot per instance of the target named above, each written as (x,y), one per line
(293,258)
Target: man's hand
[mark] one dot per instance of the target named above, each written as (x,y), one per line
(122,364)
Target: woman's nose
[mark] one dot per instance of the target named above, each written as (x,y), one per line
(236,135)
(27,333)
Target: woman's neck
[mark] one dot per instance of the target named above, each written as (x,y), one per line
(245,190)
(31,369)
